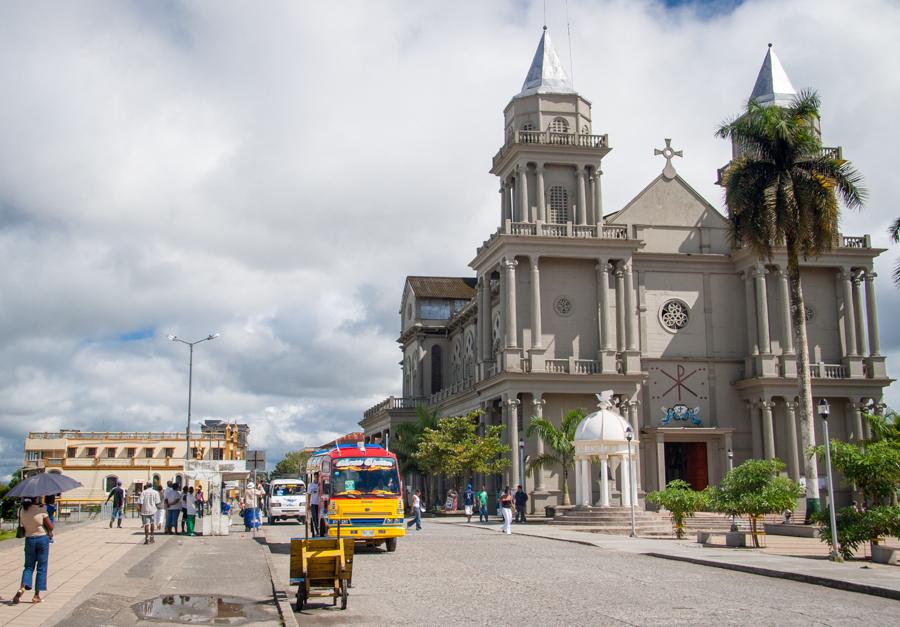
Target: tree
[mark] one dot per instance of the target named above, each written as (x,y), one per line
(405,441)
(293,463)
(856,527)
(8,505)
(782,190)
(559,446)
(682,502)
(894,232)
(455,449)
(753,489)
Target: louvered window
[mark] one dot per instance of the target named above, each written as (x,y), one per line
(559,204)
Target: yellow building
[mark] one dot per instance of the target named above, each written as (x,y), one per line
(98,459)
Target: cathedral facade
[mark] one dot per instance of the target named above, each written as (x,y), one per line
(651,301)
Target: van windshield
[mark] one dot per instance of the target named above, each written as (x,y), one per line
(287,489)
(354,476)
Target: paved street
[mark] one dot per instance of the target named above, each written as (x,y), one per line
(451,574)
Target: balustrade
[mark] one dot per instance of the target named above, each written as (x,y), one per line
(558,366)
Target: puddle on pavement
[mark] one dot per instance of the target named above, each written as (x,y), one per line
(200,609)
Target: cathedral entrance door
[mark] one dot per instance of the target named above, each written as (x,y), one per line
(687,461)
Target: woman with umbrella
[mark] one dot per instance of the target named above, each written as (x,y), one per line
(38,528)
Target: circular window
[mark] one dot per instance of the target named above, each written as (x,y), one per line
(563,306)
(674,315)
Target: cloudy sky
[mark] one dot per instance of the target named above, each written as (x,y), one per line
(273,171)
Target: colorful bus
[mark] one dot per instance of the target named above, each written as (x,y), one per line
(359,485)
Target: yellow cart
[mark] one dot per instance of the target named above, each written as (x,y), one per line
(321,567)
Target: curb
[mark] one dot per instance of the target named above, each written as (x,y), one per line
(827,582)
(281,597)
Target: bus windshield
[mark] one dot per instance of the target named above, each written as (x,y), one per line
(287,489)
(354,476)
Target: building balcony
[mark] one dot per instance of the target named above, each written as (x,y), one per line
(566,230)
(395,403)
(593,143)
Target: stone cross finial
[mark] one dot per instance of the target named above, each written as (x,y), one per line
(668,152)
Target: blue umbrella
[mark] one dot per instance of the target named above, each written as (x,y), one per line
(43,484)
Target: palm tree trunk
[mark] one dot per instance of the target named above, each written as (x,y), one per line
(565,488)
(807,417)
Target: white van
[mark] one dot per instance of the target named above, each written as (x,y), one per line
(287,499)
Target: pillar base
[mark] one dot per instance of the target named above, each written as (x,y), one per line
(537,359)
(766,365)
(854,365)
(632,362)
(789,366)
(876,367)
(607,360)
(512,360)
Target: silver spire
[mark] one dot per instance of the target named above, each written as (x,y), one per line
(773,87)
(546,74)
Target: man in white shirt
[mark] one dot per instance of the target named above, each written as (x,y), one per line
(312,509)
(173,507)
(251,507)
(149,505)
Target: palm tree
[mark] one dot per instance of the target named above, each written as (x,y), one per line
(894,232)
(782,191)
(406,439)
(559,446)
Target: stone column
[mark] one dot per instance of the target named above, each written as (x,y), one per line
(484,308)
(509,266)
(580,191)
(753,414)
(630,330)
(538,403)
(504,203)
(750,294)
(620,307)
(513,428)
(660,461)
(536,331)
(522,192)
(854,411)
(604,481)
(625,488)
(762,310)
(768,429)
(588,490)
(578,482)
(598,197)
(539,192)
(849,314)
(479,322)
(603,304)
(790,414)
(633,419)
(872,315)
(857,315)
(788,357)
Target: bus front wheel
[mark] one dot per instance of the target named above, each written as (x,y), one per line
(391,544)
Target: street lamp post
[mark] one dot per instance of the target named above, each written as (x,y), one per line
(824,411)
(629,435)
(522,462)
(187,432)
(734,526)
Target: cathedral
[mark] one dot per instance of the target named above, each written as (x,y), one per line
(650,300)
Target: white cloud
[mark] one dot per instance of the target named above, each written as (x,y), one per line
(273,175)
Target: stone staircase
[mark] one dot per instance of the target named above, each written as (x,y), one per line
(616,521)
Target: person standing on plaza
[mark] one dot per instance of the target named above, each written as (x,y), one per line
(190,506)
(521,498)
(117,494)
(50,504)
(416,511)
(482,505)
(38,535)
(469,502)
(201,501)
(251,507)
(160,516)
(506,504)
(173,507)
(183,503)
(312,505)
(149,507)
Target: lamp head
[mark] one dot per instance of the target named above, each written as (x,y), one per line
(824,409)
(629,434)
(212,336)
(730,454)
(172,338)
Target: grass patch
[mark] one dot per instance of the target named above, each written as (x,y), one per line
(6,535)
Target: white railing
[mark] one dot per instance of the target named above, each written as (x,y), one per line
(828,371)
(445,393)
(556,230)
(586,366)
(523,228)
(856,241)
(559,366)
(560,229)
(392,402)
(614,232)
(525,364)
(581,230)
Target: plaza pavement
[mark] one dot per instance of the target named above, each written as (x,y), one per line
(97,574)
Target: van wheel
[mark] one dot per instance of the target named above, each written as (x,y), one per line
(391,544)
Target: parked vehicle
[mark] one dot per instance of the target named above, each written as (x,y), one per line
(287,499)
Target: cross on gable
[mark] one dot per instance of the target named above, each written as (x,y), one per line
(668,152)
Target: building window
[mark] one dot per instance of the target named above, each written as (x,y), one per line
(110,451)
(437,364)
(563,306)
(170,452)
(130,451)
(110,482)
(148,452)
(217,454)
(71,451)
(32,456)
(674,315)
(559,125)
(91,451)
(559,204)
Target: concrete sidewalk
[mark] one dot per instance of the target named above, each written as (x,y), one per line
(863,577)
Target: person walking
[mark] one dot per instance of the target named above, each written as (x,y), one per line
(506,504)
(190,502)
(50,504)
(201,501)
(482,505)
(520,498)
(117,494)
(251,507)
(183,503)
(160,516)
(312,505)
(173,507)
(149,507)
(469,502)
(38,535)
(416,511)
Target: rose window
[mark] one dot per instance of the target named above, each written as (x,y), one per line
(674,315)
(563,306)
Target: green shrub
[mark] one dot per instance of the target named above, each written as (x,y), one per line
(682,502)
(856,528)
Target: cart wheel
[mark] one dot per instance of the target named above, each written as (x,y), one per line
(391,544)
(343,594)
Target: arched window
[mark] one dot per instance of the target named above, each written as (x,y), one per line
(528,126)
(436,369)
(110,482)
(559,204)
(559,125)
